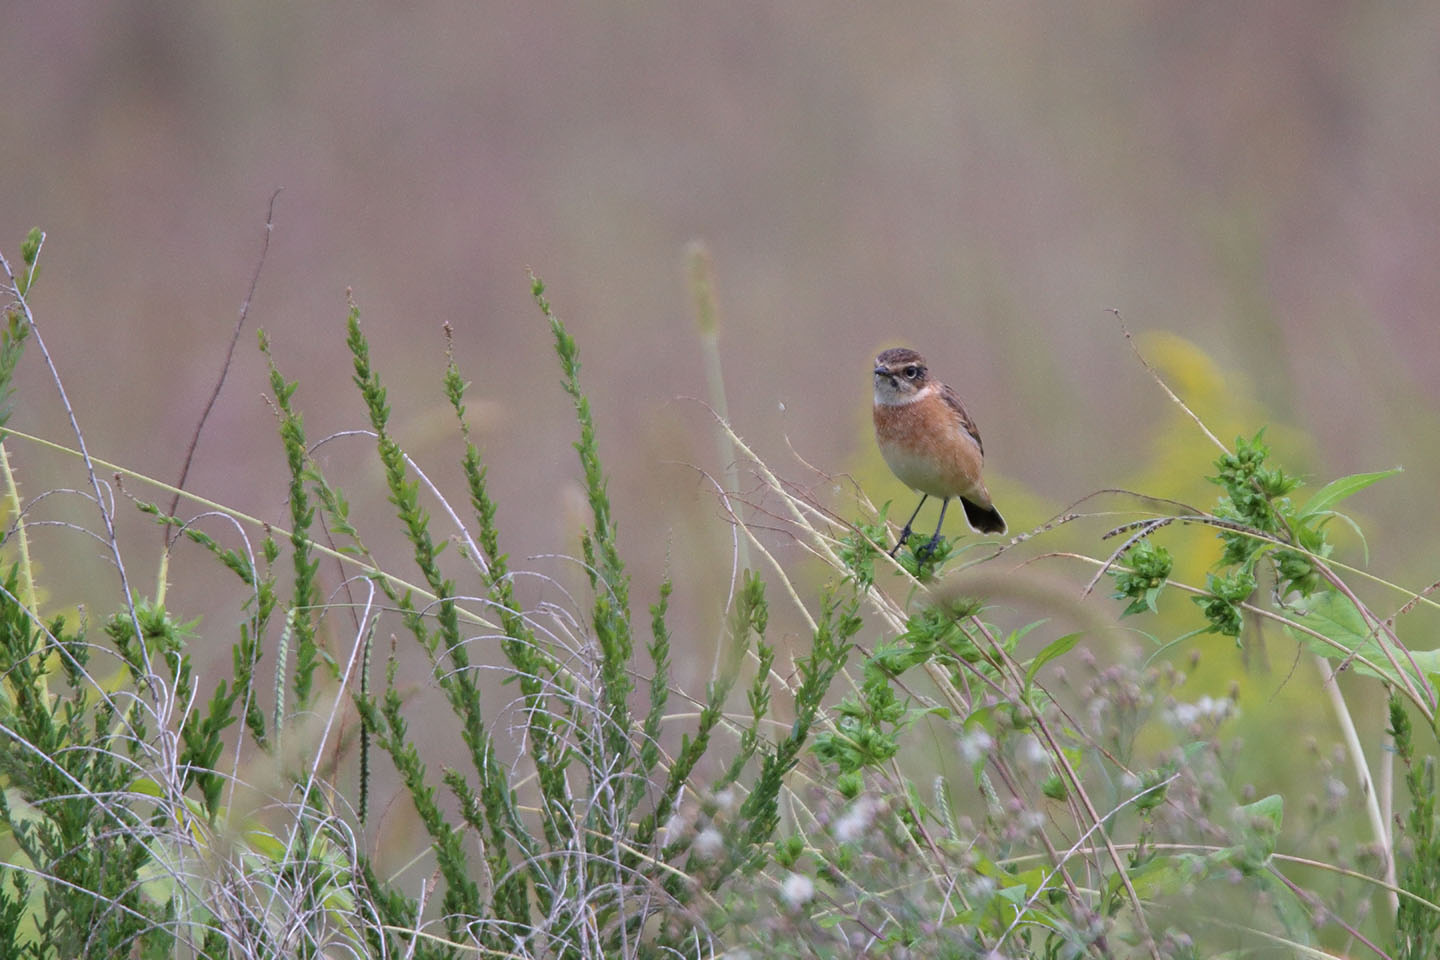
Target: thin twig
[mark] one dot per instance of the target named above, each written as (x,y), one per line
(1163,385)
(170,533)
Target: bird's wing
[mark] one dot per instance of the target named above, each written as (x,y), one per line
(962,419)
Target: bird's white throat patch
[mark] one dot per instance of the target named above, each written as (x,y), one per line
(889,396)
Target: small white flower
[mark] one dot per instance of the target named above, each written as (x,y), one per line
(672,830)
(1184,714)
(855,820)
(797,890)
(1097,709)
(974,745)
(1031,821)
(1033,752)
(1335,789)
(1219,708)
(1207,709)
(725,799)
(709,843)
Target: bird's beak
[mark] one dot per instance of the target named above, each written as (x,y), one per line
(881,372)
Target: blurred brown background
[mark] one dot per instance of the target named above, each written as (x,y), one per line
(982,181)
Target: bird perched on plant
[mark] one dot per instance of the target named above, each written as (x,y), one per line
(930,443)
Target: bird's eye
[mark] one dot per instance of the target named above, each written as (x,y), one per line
(911,372)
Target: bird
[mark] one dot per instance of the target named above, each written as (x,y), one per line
(930,443)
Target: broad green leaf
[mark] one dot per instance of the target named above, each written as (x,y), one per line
(267,845)
(1160,877)
(1427,660)
(146,786)
(915,714)
(984,718)
(1017,894)
(1334,616)
(1055,649)
(1299,920)
(1258,828)
(1336,490)
(1271,808)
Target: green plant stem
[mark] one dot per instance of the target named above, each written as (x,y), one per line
(1378,825)
(22,536)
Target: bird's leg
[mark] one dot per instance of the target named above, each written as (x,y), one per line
(905,534)
(929,548)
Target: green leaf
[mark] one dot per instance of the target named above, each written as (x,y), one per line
(1271,808)
(267,845)
(147,787)
(1298,919)
(1333,616)
(30,246)
(1159,877)
(983,718)
(1017,894)
(1258,828)
(1336,490)
(1054,787)
(1056,648)
(1428,661)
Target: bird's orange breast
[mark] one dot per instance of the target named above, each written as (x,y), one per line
(928,449)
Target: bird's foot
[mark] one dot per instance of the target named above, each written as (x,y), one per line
(904,535)
(928,551)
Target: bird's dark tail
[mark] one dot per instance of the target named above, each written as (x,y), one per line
(983,519)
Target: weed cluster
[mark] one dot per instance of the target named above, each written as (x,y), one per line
(926,780)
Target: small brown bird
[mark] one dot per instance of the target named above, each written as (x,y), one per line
(930,442)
